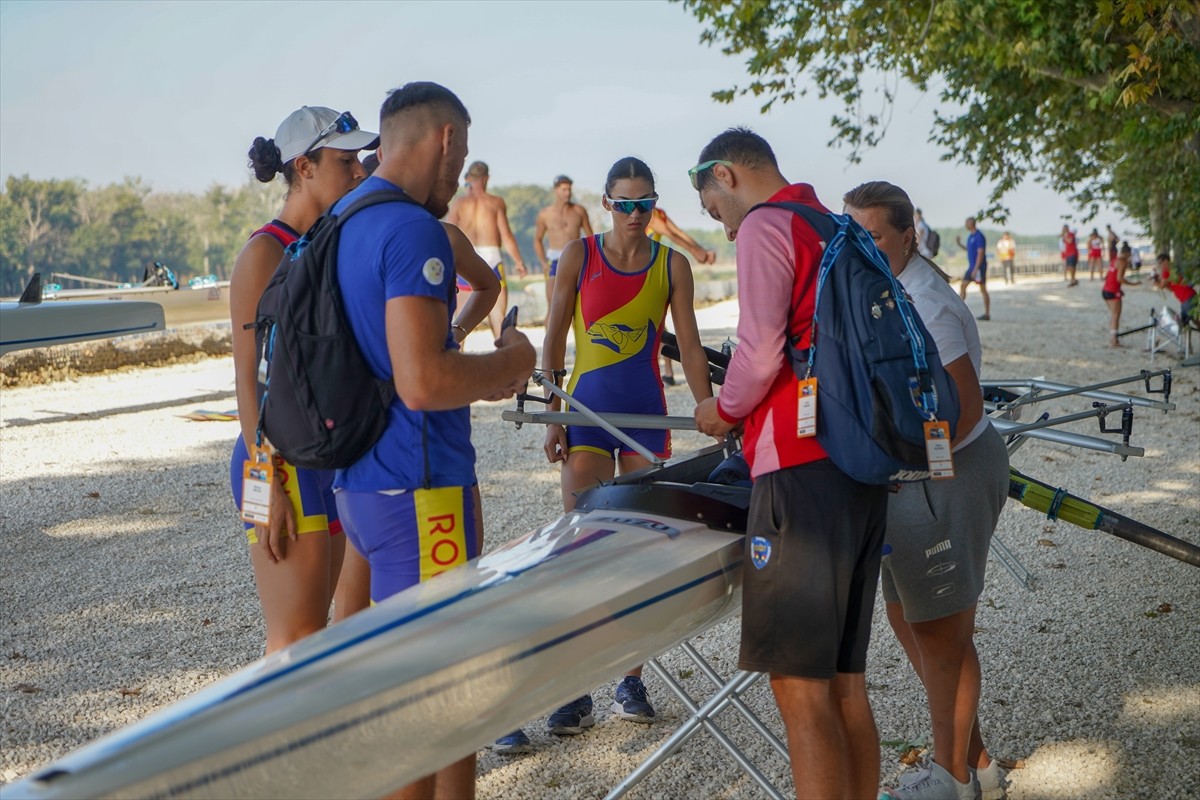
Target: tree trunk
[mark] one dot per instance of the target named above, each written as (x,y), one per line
(1158,231)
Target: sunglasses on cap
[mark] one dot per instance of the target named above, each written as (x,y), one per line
(343,124)
(694,172)
(644,205)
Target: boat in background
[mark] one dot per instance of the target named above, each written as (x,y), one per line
(197,306)
(29,323)
(203,300)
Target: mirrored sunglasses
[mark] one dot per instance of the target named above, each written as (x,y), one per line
(644,205)
(694,172)
(343,124)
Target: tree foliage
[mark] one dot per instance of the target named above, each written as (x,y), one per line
(525,200)
(112,232)
(1099,99)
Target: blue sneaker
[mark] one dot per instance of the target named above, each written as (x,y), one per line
(513,744)
(572,718)
(631,702)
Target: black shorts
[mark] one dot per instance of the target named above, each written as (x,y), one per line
(813,547)
(1111,295)
(1072,261)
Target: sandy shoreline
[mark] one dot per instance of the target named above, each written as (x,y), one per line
(126,585)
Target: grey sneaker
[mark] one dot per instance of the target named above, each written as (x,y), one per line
(935,783)
(993,784)
(993,781)
(919,768)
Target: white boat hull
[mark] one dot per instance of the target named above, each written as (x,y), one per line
(436,672)
(25,326)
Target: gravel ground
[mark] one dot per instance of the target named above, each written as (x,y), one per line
(126,585)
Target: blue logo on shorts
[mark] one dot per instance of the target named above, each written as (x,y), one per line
(760,551)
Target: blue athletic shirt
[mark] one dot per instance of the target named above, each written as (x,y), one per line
(400,250)
(975,243)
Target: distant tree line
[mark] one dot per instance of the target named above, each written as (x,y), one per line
(113,232)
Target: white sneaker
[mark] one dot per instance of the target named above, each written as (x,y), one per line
(936,783)
(992,782)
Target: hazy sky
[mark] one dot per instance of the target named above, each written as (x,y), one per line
(175,92)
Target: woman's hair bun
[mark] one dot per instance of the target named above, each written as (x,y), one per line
(265,159)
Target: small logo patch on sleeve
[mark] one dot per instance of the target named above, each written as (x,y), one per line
(434,271)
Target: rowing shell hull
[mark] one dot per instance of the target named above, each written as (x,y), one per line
(28,325)
(430,675)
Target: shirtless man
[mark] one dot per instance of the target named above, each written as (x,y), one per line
(483,218)
(563,222)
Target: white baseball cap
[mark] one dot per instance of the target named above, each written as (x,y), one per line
(316,126)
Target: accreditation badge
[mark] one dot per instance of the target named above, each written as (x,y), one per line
(806,409)
(938,450)
(258,481)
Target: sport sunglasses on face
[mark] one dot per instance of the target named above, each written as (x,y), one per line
(644,204)
(343,124)
(695,171)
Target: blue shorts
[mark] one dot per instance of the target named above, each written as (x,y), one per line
(598,440)
(971,275)
(412,536)
(631,386)
(553,268)
(310,490)
(497,270)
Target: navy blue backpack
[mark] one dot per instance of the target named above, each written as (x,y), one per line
(879,377)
